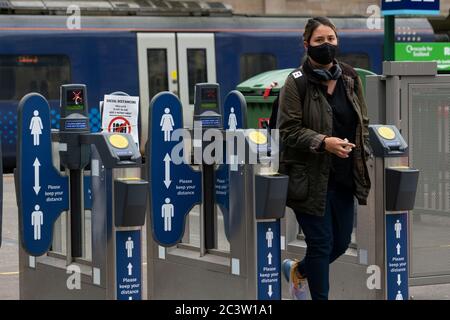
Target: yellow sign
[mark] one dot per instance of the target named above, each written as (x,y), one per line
(386,133)
(118,141)
(257,137)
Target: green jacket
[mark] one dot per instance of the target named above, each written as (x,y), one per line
(303,125)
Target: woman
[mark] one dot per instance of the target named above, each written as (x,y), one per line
(324,131)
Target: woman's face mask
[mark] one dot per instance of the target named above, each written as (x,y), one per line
(323,54)
(322,45)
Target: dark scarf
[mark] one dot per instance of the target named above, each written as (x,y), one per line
(321,75)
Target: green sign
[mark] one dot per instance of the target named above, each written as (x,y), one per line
(424,51)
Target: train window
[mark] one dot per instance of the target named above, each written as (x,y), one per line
(197,72)
(356,60)
(255,63)
(22,74)
(157,71)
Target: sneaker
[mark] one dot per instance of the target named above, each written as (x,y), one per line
(298,285)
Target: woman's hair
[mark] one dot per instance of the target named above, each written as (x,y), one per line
(314,23)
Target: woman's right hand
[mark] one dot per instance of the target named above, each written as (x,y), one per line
(339,147)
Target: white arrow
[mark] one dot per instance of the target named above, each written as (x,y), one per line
(36,166)
(270,292)
(130,268)
(398,248)
(269,257)
(167,180)
(399,280)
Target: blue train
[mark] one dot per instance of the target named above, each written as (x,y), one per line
(143,55)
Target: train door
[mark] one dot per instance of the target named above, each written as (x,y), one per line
(173,62)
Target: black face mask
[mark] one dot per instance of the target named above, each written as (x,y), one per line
(323,54)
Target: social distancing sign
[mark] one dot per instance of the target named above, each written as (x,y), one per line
(120,114)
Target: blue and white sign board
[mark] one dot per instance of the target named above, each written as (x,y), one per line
(234,115)
(397,256)
(409,7)
(269,260)
(43,192)
(128,265)
(175,187)
(87,183)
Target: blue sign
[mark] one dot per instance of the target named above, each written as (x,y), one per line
(269,260)
(235,111)
(397,256)
(87,183)
(128,265)
(408,7)
(175,187)
(234,115)
(43,192)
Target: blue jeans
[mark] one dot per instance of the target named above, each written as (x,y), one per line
(327,238)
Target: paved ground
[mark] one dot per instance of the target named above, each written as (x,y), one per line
(9,270)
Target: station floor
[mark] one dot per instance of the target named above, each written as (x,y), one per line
(9,261)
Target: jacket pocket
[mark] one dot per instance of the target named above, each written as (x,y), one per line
(298,182)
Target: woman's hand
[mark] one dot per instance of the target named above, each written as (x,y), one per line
(339,147)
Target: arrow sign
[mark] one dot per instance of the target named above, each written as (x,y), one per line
(36,166)
(167,180)
(269,258)
(270,292)
(130,269)
(399,280)
(38,211)
(398,248)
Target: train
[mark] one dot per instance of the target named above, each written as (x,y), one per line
(143,54)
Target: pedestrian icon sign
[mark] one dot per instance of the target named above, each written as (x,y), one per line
(269,237)
(167,124)
(398,229)
(232,121)
(129,245)
(36,127)
(167,214)
(37,220)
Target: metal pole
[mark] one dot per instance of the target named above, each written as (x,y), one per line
(389,38)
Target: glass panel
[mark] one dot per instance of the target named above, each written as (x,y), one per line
(197,72)
(255,63)
(20,75)
(87,235)
(430,143)
(157,71)
(356,60)
(59,235)
(193,227)
(222,241)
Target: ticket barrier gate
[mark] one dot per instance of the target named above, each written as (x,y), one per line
(379,268)
(395,193)
(118,205)
(252,204)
